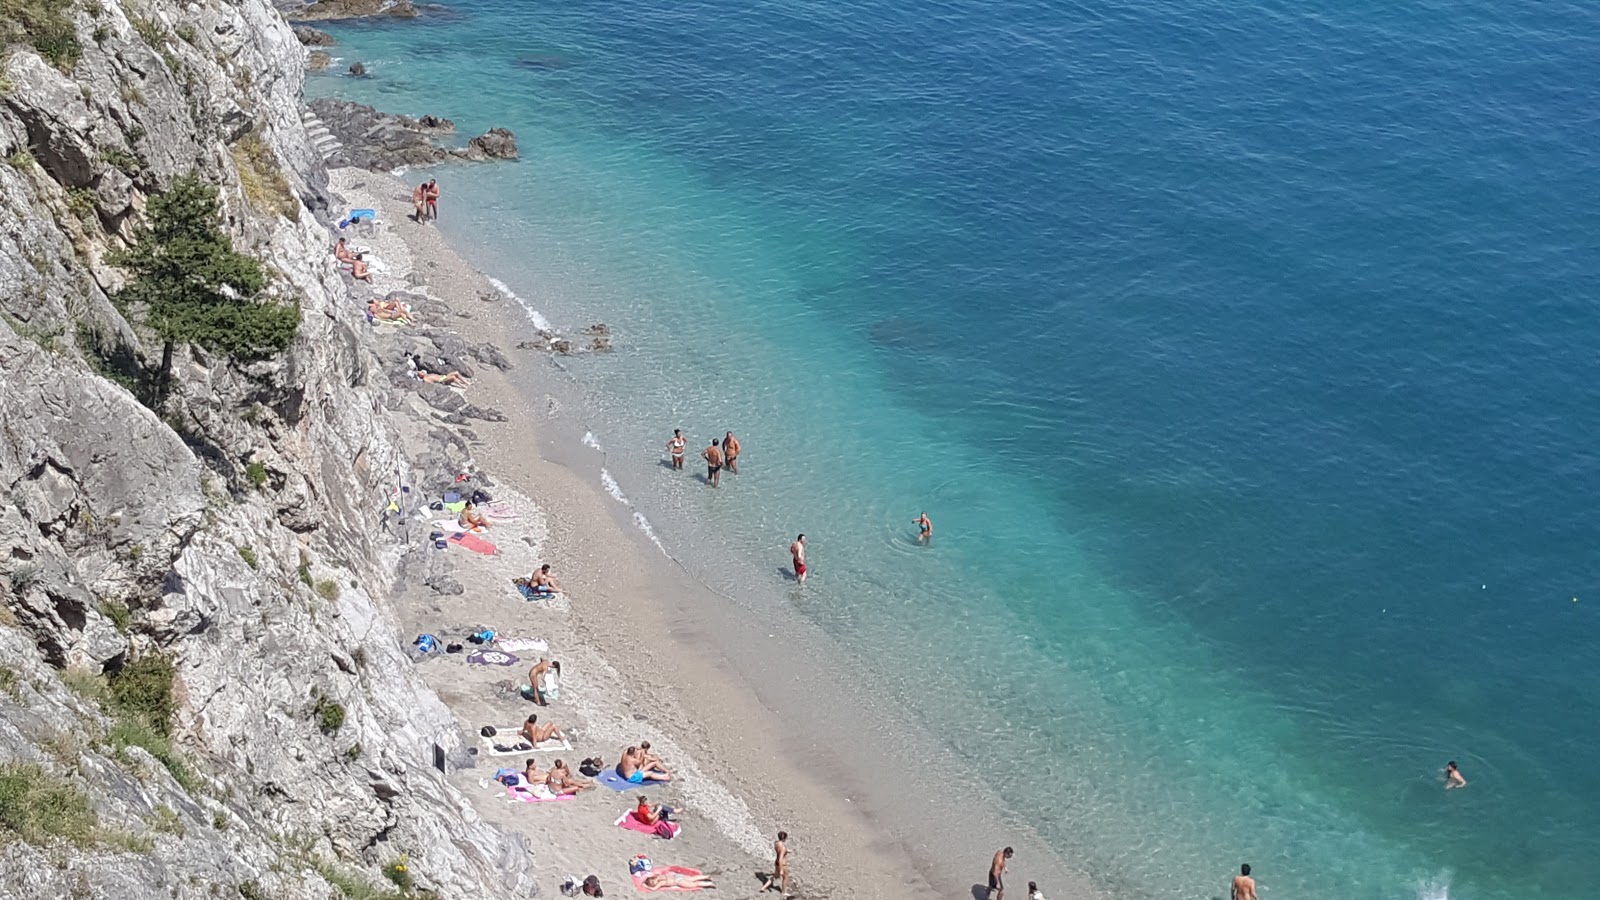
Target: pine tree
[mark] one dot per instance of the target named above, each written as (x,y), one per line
(192,287)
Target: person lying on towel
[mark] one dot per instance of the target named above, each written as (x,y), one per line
(535,734)
(661,880)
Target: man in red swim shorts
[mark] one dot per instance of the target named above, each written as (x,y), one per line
(798,551)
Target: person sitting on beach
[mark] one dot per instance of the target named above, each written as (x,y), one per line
(531,773)
(634,773)
(543,582)
(341,252)
(561,781)
(358,269)
(471,518)
(1033,891)
(648,759)
(535,734)
(650,815)
(389,311)
(658,881)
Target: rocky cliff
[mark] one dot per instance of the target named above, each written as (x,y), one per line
(201,692)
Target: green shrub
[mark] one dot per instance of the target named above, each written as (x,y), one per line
(136,733)
(256,474)
(119,614)
(328,713)
(164,820)
(80,201)
(24,577)
(37,806)
(399,874)
(20,159)
(219,820)
(354,753)
(44,24)
(11,683)
(142,689)
(249,557)
(192,287)
(188,34)
(328,590)
(262,177)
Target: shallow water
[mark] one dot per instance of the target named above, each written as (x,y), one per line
(1238,353)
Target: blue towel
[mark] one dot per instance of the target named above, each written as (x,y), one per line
(616,782)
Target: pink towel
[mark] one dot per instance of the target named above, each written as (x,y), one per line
(526,796)
(630,821)
(638,878)
(474,543)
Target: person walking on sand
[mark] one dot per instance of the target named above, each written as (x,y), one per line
(798,551)
(1244,887)
(730,452)
(676,446)
(430,195)
(997,874)
(924,527)
(1452,777)
(713,464)
(780,866)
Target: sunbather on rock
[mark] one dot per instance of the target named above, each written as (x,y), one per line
(631,770)
(436,378)
(389,311)
(534,733)
(471,518)
(358,269)
(662,880)
(341,252)
(561,780)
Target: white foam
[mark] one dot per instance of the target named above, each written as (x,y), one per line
(612,488)
(538,320)
(589,440)
(639,521)
(1434,888)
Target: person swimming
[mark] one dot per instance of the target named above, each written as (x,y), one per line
(1452,777)
(924,527)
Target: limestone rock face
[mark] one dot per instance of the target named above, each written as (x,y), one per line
(313,37)
(240,531)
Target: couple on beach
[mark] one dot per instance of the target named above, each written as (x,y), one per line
(425,197)
(721,453)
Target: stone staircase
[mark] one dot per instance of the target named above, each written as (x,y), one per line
(327,145)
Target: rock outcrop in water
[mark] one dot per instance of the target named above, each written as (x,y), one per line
(328,10)
(201,691)
(381,141)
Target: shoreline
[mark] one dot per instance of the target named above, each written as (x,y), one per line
(778,719)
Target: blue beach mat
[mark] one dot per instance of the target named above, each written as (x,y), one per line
(616,782)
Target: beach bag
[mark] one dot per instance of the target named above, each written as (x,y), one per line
(487,731)
(479,498)
(570,886)
(664,829)
(588,769)
(427,643)
(639,865)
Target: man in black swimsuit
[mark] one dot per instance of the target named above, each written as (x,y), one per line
(713,464)
(997,872)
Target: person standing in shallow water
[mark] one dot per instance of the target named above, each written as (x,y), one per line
(713,464)
(924,527)
(730,452)
(1244,887)
(676,446)
(798,551)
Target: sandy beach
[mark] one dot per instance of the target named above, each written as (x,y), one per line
(649,653)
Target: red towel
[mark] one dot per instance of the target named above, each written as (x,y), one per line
(474,543)
(630,821)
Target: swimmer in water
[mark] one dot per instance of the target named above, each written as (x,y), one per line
(924,527)
(1452,777)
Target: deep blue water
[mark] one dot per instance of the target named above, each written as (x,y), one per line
(1242,354)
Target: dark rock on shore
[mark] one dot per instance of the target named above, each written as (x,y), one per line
(325,10)
(383,141)
(313,37)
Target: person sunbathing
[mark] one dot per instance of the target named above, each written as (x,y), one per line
(650,815)
(358,269)
(531,773)
(634,773)
(543,582)
(389,311)
(534,733)
(471,518)
(658,881)
(341,252)
(561,781)
(447,378)
(647,759)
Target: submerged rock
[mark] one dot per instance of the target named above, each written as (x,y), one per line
(313,37)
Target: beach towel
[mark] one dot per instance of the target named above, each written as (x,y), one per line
(493,658)
(516,745)
(453,526)
(616,782)
(630,821)
(472,542)
(638,877)
(455,506)
(528,593)
(501,510)
(533,644)
(527,795)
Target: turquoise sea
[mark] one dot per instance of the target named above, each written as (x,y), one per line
(1243,354)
